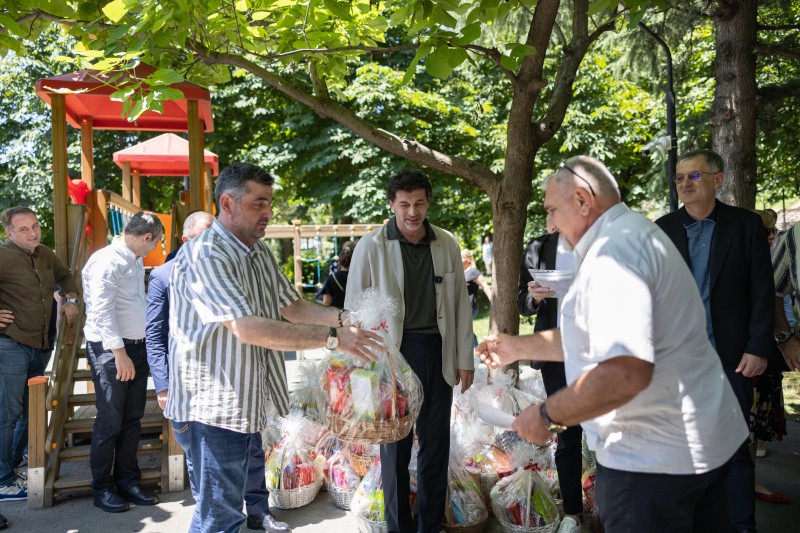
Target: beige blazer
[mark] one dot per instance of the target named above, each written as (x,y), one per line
(377,262)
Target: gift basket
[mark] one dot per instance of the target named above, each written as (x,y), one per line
(465,510)
(590,511)
(373,402)
(362,457)
(308,399)
(367,503)
(323,451)
(341,480)
(522,501)
(483,461)
(291,476)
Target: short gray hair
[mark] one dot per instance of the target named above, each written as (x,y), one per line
(144,222)
(193,220)
(713,159)
(594,176)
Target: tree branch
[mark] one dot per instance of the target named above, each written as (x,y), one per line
(778,27)
(306,51)
(771,93)
(772,50)
(495,55)
(328,108)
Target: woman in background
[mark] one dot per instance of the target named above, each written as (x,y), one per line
(333,290)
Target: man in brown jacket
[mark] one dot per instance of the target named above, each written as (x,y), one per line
(30,274)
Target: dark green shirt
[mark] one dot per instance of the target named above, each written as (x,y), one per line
(420,293)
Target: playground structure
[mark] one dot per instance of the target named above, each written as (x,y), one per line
(59,415)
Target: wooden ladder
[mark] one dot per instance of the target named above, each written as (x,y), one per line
(57,414)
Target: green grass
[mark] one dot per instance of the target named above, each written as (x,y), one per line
(791,395)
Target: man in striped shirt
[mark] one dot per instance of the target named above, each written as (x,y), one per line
(227,375)
(786,275)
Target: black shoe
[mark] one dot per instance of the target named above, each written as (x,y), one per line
(3,522)
(139,496)
(110,502)
(267,522)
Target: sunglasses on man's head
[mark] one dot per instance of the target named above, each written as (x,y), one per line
(693,176)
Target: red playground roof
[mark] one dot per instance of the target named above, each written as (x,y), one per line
(87,95)
(165,155)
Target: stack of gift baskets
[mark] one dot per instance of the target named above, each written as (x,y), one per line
(465,510)
(341,479)
(371,402)
(291,476)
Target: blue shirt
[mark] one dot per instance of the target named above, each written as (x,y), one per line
(700,234)
(157,328)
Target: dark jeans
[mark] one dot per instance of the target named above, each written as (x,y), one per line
(120,407)
(742,479)
(256,495)
(632,502)
(18,363)
(569,461)
(424,354)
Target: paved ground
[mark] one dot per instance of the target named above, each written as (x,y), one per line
(779,471)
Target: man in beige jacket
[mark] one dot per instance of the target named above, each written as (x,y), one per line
(419,265)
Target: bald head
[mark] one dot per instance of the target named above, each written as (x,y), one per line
(195,224)
(587,173)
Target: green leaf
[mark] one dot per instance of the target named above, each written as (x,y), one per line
(11,25)
(242,5)
(168,93)
(511,63)
(597,6)
(164,76)
(260,15)
(118,33)
(115,10)
(469,33)
(339,9)
(443,18)
(438,63)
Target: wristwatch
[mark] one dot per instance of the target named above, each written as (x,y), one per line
(72,301)
(552,427)
(783,336)
(332,342)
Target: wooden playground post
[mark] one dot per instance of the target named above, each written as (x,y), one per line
(298,265)
(208,189)
(196,153)
(136,188)
(37,430)
(127,193)
(87,151)
(59,121)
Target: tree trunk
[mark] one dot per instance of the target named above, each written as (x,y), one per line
(735,107)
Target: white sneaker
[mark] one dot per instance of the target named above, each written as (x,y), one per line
(15,491)
(569,525)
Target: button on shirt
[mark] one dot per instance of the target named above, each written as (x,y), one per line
(113,285)
(215,379)
(700,236)
(27,283)
(633,295)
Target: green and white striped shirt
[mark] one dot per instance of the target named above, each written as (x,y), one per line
(215,379)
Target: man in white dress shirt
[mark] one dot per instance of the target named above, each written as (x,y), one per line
(113,284)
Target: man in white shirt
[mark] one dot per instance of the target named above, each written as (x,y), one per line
(644,380)
(113,283)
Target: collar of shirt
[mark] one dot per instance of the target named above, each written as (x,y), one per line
(393,233)
(231,239)
(34,253)
(119,244)
(582,248)
(689,221)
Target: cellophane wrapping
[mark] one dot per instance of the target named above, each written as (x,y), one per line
(307,397)
(464,505)
(339,472)
(367,502)
(290,466)
(523,499)
(372,402)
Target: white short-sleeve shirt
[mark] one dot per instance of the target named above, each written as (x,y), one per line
(634,295)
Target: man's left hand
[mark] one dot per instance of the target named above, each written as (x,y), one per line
(6,317)
(465,377)
(530,426)
(70,311)
(751,365)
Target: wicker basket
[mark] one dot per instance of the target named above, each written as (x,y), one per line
(478,527)
(312,434)
(379,432)
(369,526)
(341,497)
(513,528)
(294,498)
(361,463)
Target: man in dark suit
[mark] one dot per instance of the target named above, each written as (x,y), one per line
(726,250)
(543,253)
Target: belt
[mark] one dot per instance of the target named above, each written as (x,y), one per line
(133,341)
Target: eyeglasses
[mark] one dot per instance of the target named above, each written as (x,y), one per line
(772,231)
(591,190)
(693,176)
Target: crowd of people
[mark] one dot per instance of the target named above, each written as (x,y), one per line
(650,356)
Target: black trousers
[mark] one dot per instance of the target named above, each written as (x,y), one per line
(742,478)
(424,354)
(120,407)
(569,461)
(632,502)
